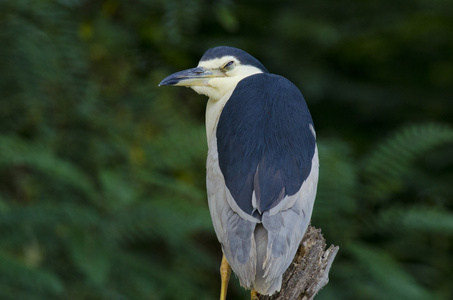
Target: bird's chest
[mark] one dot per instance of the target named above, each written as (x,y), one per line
(213,110)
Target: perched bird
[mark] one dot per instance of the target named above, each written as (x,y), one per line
(262,165)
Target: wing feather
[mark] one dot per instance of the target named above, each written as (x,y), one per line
(286,227)
(233,227)
(265,141)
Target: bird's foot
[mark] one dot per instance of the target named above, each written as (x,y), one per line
(225,272)
(254,295)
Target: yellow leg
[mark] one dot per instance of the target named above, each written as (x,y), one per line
(225,272)
(254,295)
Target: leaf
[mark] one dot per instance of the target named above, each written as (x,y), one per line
(383,269)
(91,254)
(386,167)
(337,190)
(419,219)
(17,152)
(21,277)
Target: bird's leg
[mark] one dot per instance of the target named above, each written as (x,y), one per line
(225,272)
(254,295)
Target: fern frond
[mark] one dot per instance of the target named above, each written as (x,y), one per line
(170,219)
(21,277)
(49,215)
(386,167)
(419,219)
(393,281)
(17,152)
(179,148)
(337,188)
(175,185)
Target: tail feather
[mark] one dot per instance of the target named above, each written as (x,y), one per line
(263,284)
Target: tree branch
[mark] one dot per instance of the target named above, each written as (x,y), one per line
(309,271)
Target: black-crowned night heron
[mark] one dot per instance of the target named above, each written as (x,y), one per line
(262,165)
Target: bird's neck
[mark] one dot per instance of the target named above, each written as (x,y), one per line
(213,110)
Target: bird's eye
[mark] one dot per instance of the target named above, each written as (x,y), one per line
(228,65)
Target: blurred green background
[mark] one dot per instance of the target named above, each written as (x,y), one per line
(102,176)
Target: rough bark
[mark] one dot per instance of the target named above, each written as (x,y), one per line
(309,271)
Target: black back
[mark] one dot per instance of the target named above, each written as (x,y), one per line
(264,141)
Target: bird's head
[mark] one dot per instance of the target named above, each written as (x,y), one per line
(218,72)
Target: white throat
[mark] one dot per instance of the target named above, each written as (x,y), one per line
(213,110)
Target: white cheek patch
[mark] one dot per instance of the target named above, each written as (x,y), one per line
(218,87)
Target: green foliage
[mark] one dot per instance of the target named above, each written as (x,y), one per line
(383,276)
(385,229)
(100,196)
(389,164)
(102,174)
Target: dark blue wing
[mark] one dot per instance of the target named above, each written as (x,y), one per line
(264,141)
